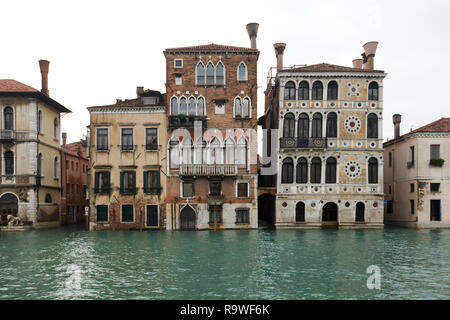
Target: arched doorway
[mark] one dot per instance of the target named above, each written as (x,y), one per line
(8,205)
(330,215)
(300,212)
(266,210)
(359,216)
(187,218)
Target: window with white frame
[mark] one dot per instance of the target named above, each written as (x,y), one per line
(242,72)
(174,153)
(55,168)
(242,189)
(102,139)
(178,63)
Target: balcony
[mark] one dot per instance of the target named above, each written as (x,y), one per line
(7,136)
(303,143)
(183,121)
(208,170)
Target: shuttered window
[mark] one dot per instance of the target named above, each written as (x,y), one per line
(152,182)
(128,182)
(102,213)
(127,213)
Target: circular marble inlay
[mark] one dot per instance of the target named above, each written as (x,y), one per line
(313,204)
(303,104)
(284,204)
(375,204)
(333,104)
(347,204)
(289,104)
(353,89)
(373,144)
(352,124)
(352,169)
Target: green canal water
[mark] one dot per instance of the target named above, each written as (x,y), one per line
(69,263)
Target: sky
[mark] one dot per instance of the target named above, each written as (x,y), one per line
(100,51)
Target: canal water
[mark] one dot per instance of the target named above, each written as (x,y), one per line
(69,263)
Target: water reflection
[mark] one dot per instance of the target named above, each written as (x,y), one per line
(69,263)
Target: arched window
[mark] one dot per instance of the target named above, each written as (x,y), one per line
(372,126)
(287,171)
(174,153)
(200,151)
(183,106)
(39,165)
(242,153)
(242,72)
(237,107)
(300,212)
(55,128)
(289,126)
(289,91)
(303,126)
(192,107)
(174,106)
(303,91)
(332,92)
(186,150)
(316,168)
(317,91)
(200,71)
(330,170)
(48,198)
(209,73)
(55,167)
(220,73)
(359,214)
(39,124)
(200,106)
(302,170)
(373,170)
(215,152)
(246,108)
(332,125)
(8,116)
(9,162)
(316,125)
(373,91)
(229,151)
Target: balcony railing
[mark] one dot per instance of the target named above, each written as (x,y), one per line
(208,169)
(303,143)
(7,135)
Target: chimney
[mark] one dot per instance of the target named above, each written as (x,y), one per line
(396,118)
(252,29)
(139,91)
(43,64)
(369,54)
(64,138)
(357,63)
(279,51)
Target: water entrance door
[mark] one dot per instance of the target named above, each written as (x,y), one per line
(330,215)
(187,217)
(152,216)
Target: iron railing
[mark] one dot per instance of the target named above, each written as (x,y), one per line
(303,143)
(208,169)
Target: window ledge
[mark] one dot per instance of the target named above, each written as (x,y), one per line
(102,151)
(242,223)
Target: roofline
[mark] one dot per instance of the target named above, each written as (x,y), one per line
(39,95)
(374,74)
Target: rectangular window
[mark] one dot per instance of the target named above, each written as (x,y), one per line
(102,182)
(435,151)
(435,210)
(72,165)
(127,213)
(411,187)
(178,63)
(411,204)
(102,213)
(242,189)
(217,215)
(152,216)
(215,188)
(390,159)
(127,139)
(84,191)
(188,190)
(390,189)
(242,216)
(151,139)
(152,182)
(434,187)
(178,80)
(390,206)
(67,164)
(102,139)
(128,182)
(411,156)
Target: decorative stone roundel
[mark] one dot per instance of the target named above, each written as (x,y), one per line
(352,124)
(352,169)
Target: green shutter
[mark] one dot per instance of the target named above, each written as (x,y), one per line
(108,181)
(134,182)
(158,181)
(121,182)
(96,182)
(145,182)
(102,213)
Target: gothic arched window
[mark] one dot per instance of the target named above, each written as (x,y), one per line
(220,73)
(316,168)
(316,125)
(330,170)
(289,126)
(200,72)
(287,171)
(302,170)
(303,91)
(242,72)
(303,126)
(209,73)
(289,91)
(373,91)
(332,93)
(332,125)
(174,106)
(372,126)
(317,91)
(373,170)
(8,116)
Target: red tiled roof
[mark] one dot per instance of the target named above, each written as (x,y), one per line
(441,125)
(326,67)
(213,47)
(10,85)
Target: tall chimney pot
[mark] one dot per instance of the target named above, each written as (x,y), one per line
(252,29)
(64,138)
(370,49)
(44,65)
(357,63)
(396,119)
(139,91)
(279,51)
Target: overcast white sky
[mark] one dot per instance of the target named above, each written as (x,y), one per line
(101,50)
